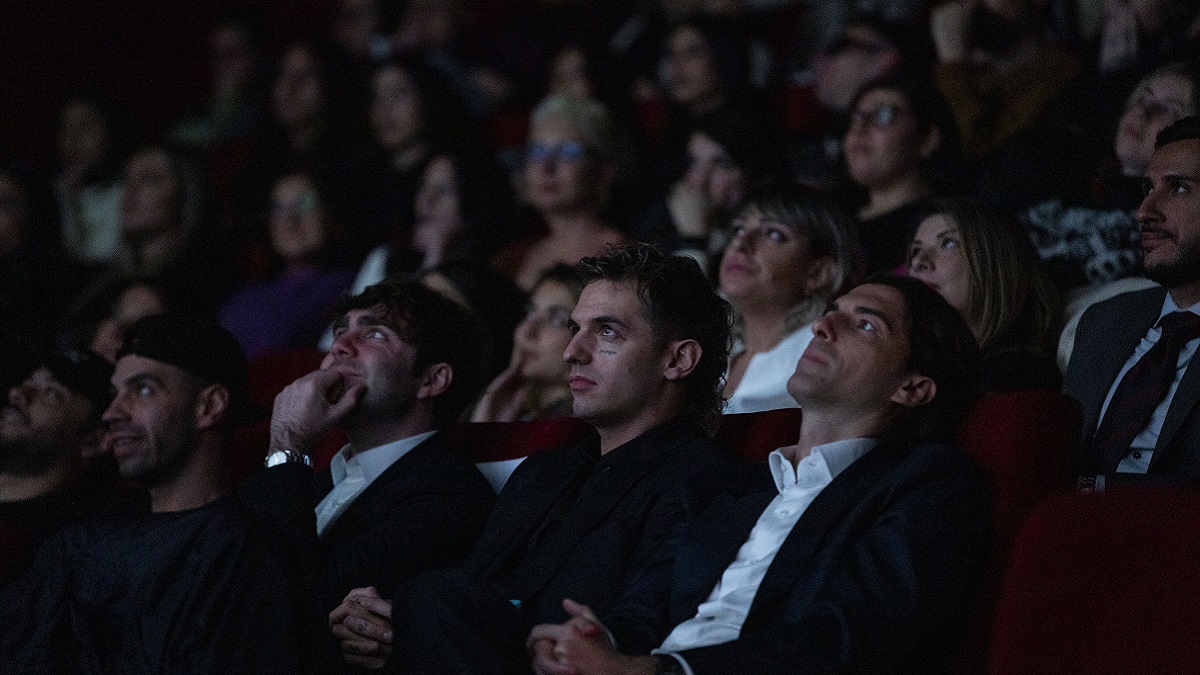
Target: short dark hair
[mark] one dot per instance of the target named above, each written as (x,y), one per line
(1186,129)
(440,331)
(680,304)
(942,348)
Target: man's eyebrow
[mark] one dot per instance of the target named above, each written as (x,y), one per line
(377,320)
(871,311)
(142,378)
(609,319)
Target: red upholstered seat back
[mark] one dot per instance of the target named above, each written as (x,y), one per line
(752,436)
(1103,584)
(498,447)
(499,441)
(1024,442)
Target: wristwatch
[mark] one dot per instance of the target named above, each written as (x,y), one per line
(279,456)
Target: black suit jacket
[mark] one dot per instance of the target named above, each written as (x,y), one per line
(877,575)
(424,512)
(608,534)
(1108,333)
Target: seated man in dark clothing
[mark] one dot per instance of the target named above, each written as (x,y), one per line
(647,358)
(1131,369)
(856,550)
(51,421)
(405,362)
(189,587)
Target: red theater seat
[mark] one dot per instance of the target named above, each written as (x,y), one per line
(752,436)
(1023,442)
(498,447)
(1103,584)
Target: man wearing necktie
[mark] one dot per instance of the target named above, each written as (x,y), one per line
(1131,369)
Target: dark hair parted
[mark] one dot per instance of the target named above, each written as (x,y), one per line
(942,348)
(1186,129)
(680,304)
(440,331)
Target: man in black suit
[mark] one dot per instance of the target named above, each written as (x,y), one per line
(856,550)
(405,362)
(1117,339)
(647,359)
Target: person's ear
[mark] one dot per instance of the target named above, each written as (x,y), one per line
(212,404)
(682,358)
(820,275)
(435,381)
(916,390)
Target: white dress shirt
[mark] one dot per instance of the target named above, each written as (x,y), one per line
(719,619)
(351,475)
(1142,448)
(764,384)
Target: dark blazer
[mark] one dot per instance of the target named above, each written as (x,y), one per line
(1108,333)
(608,535)
(877,575)
(424,512)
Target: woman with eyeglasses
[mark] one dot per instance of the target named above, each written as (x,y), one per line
(792,251)
(899,149)
(535,384)
(568,173)
(290,309)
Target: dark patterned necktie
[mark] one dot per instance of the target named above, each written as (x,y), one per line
(1142,390)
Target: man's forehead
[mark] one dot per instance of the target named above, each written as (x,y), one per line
(877,298)
(135,365)
(604,298)
(1181,158)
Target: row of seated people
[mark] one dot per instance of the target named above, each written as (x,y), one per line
(892,139)
(904,521)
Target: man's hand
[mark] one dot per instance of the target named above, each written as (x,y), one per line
(689,209)
(580,647)
(504,397)
(309,407)
(363,623)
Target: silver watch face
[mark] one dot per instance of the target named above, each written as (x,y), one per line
(278,457)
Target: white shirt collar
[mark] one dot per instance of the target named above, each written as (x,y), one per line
(1170,306)
(822,464)
(369,464)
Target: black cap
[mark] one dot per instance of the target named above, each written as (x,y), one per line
(83,372)
(201,347)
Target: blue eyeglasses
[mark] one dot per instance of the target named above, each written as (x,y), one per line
(882,117)
(563,151)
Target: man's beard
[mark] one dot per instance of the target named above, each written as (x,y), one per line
(27,457)
(1183,271)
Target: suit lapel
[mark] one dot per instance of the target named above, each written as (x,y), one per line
(388,488)
(1105,357)
(608,491)
(529,507)
(712,540)
(828,511)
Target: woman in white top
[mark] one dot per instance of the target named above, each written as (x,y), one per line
(792,251)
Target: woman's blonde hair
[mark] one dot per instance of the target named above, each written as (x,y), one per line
(1011,301)
(830,231)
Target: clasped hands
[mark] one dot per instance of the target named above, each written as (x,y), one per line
(578,647)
